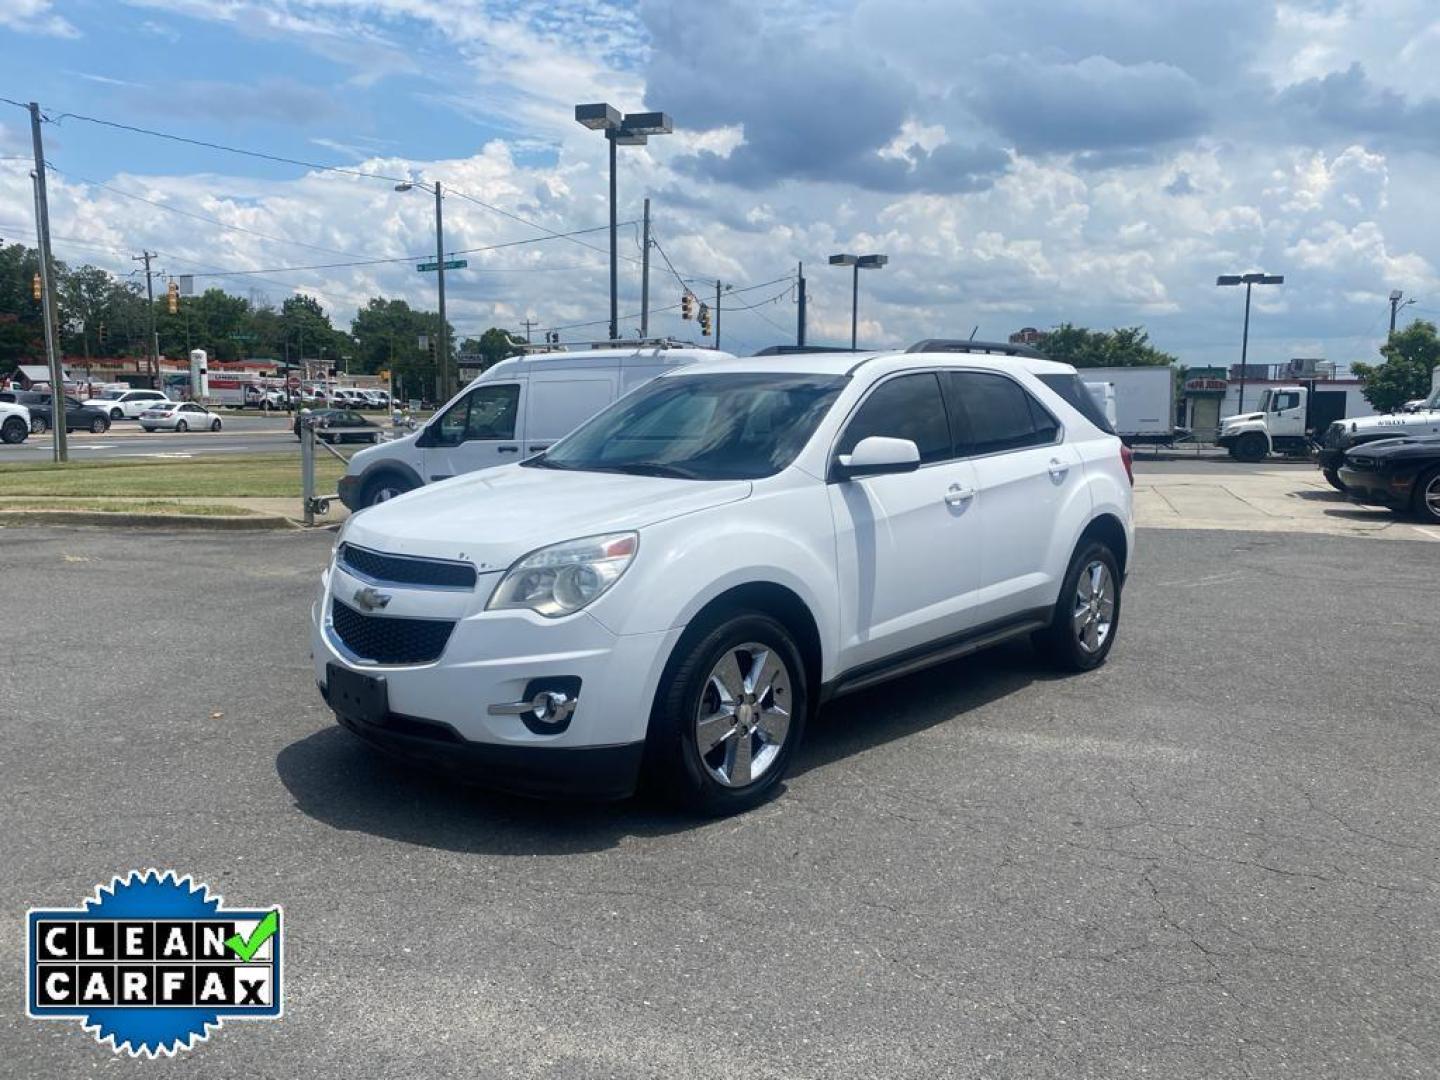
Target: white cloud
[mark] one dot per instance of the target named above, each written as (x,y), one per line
(35,17)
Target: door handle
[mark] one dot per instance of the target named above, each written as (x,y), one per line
(537,446)
(1058,470)
(507,449)
(958,496)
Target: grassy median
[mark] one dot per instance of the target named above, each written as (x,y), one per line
(250,476)
(125,506)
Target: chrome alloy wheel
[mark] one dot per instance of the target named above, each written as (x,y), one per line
(1094,607)
(1432,497)
(744,714)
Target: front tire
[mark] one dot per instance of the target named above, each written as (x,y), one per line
(1332,477)
(1087,615)
(728,716)
(215,425)
(13,431)
(383,488)
(39,425)
(181,426)
(99,426)
(116,414)
(1251,447)
(1427,497)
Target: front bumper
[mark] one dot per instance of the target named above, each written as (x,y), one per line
(439,712)
(1376,488)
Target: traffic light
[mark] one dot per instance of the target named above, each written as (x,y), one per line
(35,288)
(103,336)
(172,294)
(704,320)
(687,306)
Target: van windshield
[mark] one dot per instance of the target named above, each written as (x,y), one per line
(732,426)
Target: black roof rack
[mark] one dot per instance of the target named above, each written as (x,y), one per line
(963,345)
(792,350)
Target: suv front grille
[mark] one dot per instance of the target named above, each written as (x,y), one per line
(1333,434)
(390,640)
(407,569)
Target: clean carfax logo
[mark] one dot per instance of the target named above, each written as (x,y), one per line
(152,962)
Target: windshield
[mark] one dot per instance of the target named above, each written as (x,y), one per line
(1433,401)
(1264,405)
(734,426)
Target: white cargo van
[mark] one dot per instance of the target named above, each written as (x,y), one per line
(516,409)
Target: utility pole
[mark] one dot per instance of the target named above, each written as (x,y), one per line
(152,348)
(717,313)
(60,444)
(800,312)
(1395,305)
(528,323)
(645,277)
(442,344)
(1244,348)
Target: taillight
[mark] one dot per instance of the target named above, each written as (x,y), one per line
(1128,457)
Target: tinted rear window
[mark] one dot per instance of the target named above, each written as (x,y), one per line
(1072,389)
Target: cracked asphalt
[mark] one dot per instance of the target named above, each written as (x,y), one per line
(1215,857)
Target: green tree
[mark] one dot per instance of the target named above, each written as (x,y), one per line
(1405,374)
(22,329)
(1126,346)
(492,346)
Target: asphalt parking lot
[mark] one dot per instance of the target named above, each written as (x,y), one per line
(1215,857)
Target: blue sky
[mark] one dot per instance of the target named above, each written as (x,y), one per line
(1023,162)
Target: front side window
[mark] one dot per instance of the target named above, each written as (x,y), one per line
(734,426)
(907,407)
(1000,414)
(487,412)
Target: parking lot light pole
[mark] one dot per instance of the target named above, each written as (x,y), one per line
(857,263)
(1248,280)
(634,129)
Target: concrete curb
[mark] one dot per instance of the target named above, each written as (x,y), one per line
(257,522)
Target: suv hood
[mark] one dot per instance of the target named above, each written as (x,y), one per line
(494,517)
(1416,423)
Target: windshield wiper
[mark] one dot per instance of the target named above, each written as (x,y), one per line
(655,468)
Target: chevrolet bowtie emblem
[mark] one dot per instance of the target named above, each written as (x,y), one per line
(368,599)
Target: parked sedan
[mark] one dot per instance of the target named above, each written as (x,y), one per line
(179,416)
(78,417)
(341,418)
(123,404)
(1403,474)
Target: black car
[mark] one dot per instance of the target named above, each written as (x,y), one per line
(1403,474)
(341,418)
(77,417)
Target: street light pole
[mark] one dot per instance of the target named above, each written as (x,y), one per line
(858,263)
(1248,280)
(634,129)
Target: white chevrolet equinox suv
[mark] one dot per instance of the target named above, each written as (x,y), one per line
(672,589)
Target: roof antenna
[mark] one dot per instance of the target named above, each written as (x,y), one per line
(975,331)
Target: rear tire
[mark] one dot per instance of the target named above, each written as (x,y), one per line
(116,414)
(1427,497)
(99,426)
(39,425)
(1332,476)
(13,431)
(728,716)
(181,426)
(1087,614)
(1252,447)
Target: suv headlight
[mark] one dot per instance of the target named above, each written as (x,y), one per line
(563,578)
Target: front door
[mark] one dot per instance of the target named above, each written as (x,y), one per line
(1287,414)
(479,431)
(907,544)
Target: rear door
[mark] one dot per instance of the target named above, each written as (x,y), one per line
(1026,476)
(559,402)
(479,431)
(907,544)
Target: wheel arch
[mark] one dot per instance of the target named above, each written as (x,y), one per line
(1110,531)
(769,598)
(389,465)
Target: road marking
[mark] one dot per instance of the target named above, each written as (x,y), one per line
(1429,534)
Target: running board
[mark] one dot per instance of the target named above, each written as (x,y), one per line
(938,653)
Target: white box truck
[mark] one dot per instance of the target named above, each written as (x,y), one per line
(1143,398)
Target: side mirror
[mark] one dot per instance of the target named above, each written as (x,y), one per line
(875,456)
